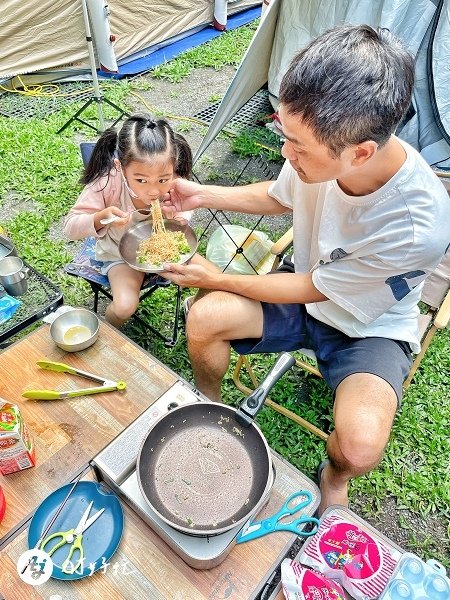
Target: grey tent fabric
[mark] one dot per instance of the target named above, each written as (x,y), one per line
(50,34)
(288,25)
(248,79)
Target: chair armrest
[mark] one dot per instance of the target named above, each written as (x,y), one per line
(280,246)
(443,315)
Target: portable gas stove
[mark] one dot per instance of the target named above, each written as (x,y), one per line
(116,466)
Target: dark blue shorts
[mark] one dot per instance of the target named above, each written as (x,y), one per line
(289,327)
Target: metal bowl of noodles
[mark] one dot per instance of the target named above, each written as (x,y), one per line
(129,245)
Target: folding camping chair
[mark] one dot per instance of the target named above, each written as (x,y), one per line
(435,315)
(85,265)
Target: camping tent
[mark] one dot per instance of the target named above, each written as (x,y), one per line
(287,25)
(49,35)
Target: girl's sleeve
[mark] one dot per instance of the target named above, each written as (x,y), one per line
(79,223)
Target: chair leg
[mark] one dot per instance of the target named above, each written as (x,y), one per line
(425,343)
(244,362)
(167,341)
(299,420)
(174,339)
(304,365)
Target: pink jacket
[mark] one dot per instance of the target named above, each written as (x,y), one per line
(102,193)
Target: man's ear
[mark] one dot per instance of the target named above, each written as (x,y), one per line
(363,152)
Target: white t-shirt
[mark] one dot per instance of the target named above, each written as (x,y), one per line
(369,254)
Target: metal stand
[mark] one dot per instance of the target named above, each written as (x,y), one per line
(97,94)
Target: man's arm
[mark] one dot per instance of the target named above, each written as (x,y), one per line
(250,199)
(277,287)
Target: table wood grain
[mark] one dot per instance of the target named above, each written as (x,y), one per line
(68,433)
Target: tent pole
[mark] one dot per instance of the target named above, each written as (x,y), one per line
(90,45)
(97,93)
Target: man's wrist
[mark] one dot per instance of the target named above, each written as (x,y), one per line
(213,196)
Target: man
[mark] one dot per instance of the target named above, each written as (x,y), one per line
(370,223)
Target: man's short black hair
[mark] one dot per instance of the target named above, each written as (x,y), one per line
(351,84)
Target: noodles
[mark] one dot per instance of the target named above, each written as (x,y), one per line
(162,246)
(157,217)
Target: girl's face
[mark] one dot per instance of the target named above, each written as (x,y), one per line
(149,181)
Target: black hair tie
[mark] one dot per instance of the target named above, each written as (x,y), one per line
(150,124)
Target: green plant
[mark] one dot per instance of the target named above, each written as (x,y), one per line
(213,176)
(184,127)
(141,83)
(227,49)
(254,141)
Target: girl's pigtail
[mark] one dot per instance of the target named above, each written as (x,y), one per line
(183,167)
(102,157)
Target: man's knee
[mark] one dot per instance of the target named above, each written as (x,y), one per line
(365,407)
(362,450)
(206,317)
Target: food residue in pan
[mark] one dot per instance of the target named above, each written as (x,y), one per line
(180,499)
(238,431)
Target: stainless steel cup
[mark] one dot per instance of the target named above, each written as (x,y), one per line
(6,247)
(13,275)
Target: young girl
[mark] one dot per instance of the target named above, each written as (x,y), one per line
(127,170)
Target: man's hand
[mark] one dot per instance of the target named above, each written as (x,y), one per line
(184,195)
(192,275)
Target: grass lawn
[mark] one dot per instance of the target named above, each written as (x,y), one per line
(409,493)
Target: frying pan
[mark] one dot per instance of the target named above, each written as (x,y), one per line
(142,229)
(204,467)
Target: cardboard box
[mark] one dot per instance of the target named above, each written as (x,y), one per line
(16,444)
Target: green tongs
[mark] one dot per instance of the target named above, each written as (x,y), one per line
(106,384)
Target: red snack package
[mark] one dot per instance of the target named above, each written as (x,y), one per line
(16,445)
(300,583)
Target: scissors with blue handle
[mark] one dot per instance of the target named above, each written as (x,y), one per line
(258,529)
(73,537)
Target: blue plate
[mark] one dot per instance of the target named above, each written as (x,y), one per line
(100,540)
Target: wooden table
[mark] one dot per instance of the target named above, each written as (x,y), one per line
(68,433)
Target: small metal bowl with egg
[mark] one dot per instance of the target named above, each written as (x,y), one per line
(75,330)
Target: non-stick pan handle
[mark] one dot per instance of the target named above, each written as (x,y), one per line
(253,403)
